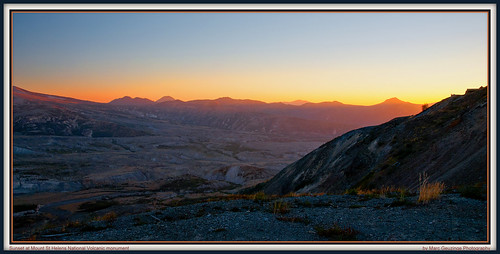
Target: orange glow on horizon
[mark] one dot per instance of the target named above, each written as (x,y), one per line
(106,94)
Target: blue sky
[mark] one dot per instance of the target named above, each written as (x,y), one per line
(358,58)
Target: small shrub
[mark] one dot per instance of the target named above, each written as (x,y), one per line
(425,106)
(337,233)
(280,207)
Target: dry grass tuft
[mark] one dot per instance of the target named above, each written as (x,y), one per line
(294,194)
(429,191)
(388,191)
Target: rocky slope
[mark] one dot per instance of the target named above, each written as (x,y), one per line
(448,142)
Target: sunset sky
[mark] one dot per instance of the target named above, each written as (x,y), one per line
(355,58)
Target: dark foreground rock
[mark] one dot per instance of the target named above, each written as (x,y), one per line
(451,218)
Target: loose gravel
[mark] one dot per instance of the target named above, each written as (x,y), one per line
(451,218)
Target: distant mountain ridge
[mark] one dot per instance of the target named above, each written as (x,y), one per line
(322,119)
(448,142)
(128,100)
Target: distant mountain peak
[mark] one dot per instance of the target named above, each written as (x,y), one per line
(127,100)
(393,100)
(165,98)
